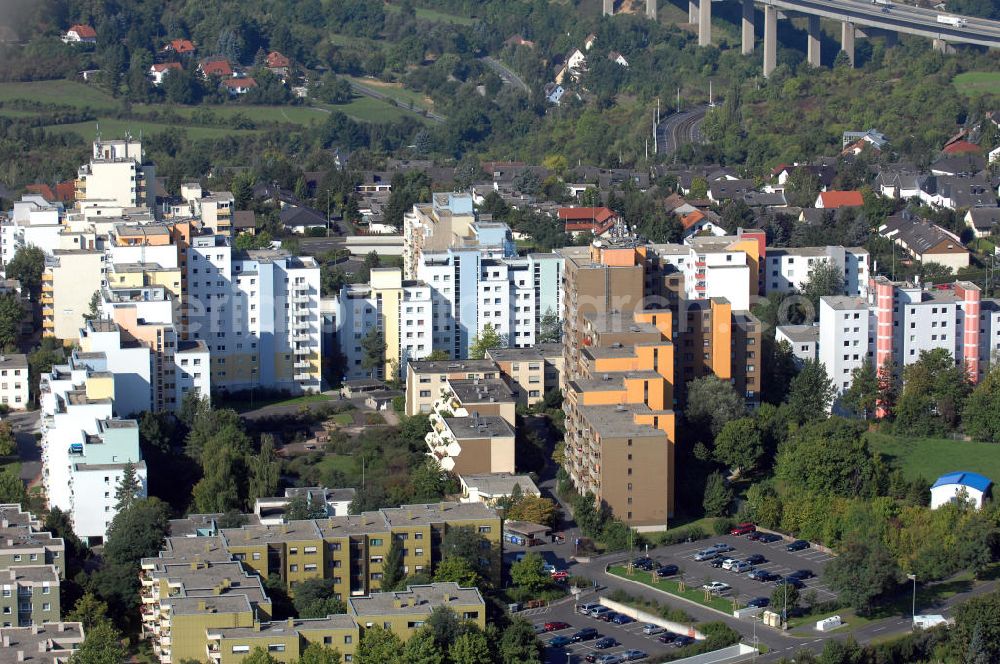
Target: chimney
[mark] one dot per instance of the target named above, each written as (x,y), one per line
(34,628)
(291,623)
(20,655)
(6,641)
(61,626)
(5,523)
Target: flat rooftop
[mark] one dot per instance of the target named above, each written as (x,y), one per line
(844,302)
(619,421)
(495,484)
(424,514)
(481,391)
(467,428)
(283,627)
(801,333)
(450,366)
(417,599)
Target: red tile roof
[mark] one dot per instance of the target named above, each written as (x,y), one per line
(838,199)
(247,82)
(220,67)
(83,31)
(181,46)
(592,214)
(691,218)
(962,147)
(64,191)
(164,66)
(276,60)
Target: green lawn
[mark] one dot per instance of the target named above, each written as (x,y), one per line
(692,592)
(932,457)
(975,83)
(367,109)
(401,94)
(342,462)
(245,405)
(343,419)
(300,115)
(66,93)
(114,127)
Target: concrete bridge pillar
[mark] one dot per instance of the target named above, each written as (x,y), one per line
(693,11)
(941,46)
(609,7)
(705,23)
(747,24)
(891,38)
(847,40)
(813,41)
(770,39)
(651,9)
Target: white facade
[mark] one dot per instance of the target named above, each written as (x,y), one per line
(926,320)
(115,174)
(843,337)
(788,270)
(14,381)
(803,340)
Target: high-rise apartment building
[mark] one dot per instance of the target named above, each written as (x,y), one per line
(116,175)
(32,565)
(70,279)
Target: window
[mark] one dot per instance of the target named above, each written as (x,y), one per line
(241,648)
(46,606)
(309,549)
(485,529)
(276,647)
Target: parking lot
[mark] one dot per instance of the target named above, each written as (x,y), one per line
(629,636)
(778,561)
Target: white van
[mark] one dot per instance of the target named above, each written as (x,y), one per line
(585,609)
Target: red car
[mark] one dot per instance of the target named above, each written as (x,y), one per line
(556,625)
(560,575)
(743,529)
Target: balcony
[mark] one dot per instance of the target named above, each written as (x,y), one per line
(303,376)
(299,337)
(300,299)
(303,350)
(302,364)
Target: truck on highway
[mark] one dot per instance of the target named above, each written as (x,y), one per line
(884,3)
(956,21)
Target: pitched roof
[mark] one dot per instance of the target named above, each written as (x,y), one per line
(63,191)
(234,83)
(216,67)
(984,218)
(276,60)
(591,214)
(689,220)
(919,235)
(181,46)
(301,216)
(838,199)
(164,66)
(244,219)
(83,31)
(962,147)
(971,480)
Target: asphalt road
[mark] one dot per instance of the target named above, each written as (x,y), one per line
(508,75)
(680,129)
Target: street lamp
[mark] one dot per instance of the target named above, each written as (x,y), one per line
(913,577)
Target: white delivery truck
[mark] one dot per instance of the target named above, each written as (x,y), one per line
(956,21)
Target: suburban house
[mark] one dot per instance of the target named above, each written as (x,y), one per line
(962,147)
(903,183)
(722,190)
(239,86)
(301,219)
(618,59)
(957,192)
(160,69)
(596,220)
(983,220)
(554,93)
(833,200)
(701,222)
(856,141)
(926,242)
(180,47)
(80,34)
(278,64)
(215,67)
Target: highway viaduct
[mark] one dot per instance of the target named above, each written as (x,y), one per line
(851,14)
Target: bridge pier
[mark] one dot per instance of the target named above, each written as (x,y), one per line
(651,9)
(770,39)
(813,48)
(705,23)
(747,24)
(941,46)
(609,7)
(847,40)
(693,11)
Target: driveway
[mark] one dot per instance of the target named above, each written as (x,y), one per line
(25,425)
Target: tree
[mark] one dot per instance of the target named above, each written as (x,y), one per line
(265,471)
(718,495)
(128,489)
(485,340)
(518,644)
(373,349)
(825,278)
(981,416)
(811,393)
(550,328)
(862,397)
(739,445)
(8,445)
(89,611)
(94,307)
(470,648)
(711,403)
(137,532)
(458,570)
(831,457)
(533,509)
(977,631)
(102,645)
(863,574)
(27,266)
(300,508)
(802,187)
(11,487)
(380,646)
(779,367)
(934,394)
(529,573)
(315,598)
(11,315)
(392,566)
(317,653)
(784,599)
(421,649)
(260,656)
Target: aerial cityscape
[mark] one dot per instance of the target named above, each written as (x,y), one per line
(499,331)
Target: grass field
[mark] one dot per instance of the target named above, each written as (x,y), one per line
(692,592)
(341,462)
(343,419)
(114,127)
(932,457)
(65,93)
(975,83)
(397,92)
(367,109)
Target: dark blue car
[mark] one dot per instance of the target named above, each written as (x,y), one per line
(798,545)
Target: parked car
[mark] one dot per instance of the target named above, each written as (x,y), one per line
(548,568)
(606,616)
(633,655)
(728,563)
(556,625)
(802,574)
(741,566)
(791,581)
(644,562)
(722,547)
(585,609)
(649,629)
(754,536)
(667,570)
(798,545)
(605,642)
(560,576)
(718,561)
(599,611)
(762,575)
(622,619)
(768,538)
(743,529)
(667,637)
(608,659)
(585,634)
(758,602)
(683,640)
(717,587)
(560,641)
(706,554)
(756,559)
